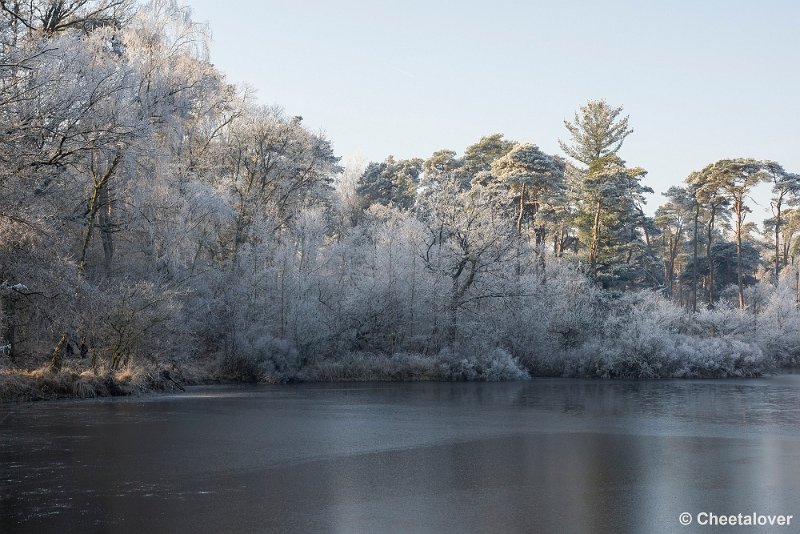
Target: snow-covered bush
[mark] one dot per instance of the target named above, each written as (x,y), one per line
(260,358)
(490,366)
(644,335)
(369,366)
(676,356)
(777,326)
(448,365)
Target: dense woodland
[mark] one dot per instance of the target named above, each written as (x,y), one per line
(159,226)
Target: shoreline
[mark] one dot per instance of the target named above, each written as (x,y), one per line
(44,384)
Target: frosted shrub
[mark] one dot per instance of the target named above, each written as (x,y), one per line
(262,358)
(634,340)
(368,366)
(724,320)
(491,366)
(560,312)
(716,358)
(378,317)
(777,329)
(644,337)
(677,356)
(616,359)
(448,365)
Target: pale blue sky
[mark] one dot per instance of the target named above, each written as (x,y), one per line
(700,80)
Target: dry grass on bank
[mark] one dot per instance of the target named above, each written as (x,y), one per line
(74,382)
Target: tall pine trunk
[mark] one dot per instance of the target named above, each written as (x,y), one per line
(777,240)
(595,244)
(738,207)
(694,257)
(709,256)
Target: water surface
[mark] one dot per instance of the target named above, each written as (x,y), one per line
(539,456)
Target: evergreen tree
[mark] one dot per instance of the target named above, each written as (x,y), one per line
(733,179)
(711,205)
(785,187)
(534,181)
(609,195)
(597,131)
(674,220)
(390,182)
(480,156)
(443,166)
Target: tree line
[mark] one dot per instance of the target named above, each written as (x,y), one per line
(589,207)
(154,215)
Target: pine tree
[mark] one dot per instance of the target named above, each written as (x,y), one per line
(598,131)
(390,182)
(534,181)
(731,180)
(674,219)
(609,194)
(785,187)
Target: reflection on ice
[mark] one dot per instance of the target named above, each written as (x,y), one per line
(569,455)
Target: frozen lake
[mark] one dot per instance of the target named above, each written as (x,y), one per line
(547,455)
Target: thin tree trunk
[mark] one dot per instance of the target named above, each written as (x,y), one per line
(593,249)
(694,258)
(738,206)
(91,212)
(413,294)
(669,267)
(11,329)
(709,256)
(99,193)
(777,241)
(452,314)
(55,357)
(104,223)
(786,243)
(559,247)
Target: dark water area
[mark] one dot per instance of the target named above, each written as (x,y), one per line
(547,456)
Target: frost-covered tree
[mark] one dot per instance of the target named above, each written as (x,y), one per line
(274,168)
(349,204)
(480,156)
(609,195)
(55,16)
(674,219)
(597,131)
(785,189)
(534,182)
(609,216)
(390,182)
(711,204)
(734,179)
(467,245)
(443,166)
(98,103)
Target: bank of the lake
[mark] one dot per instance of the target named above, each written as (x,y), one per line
(81,379)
